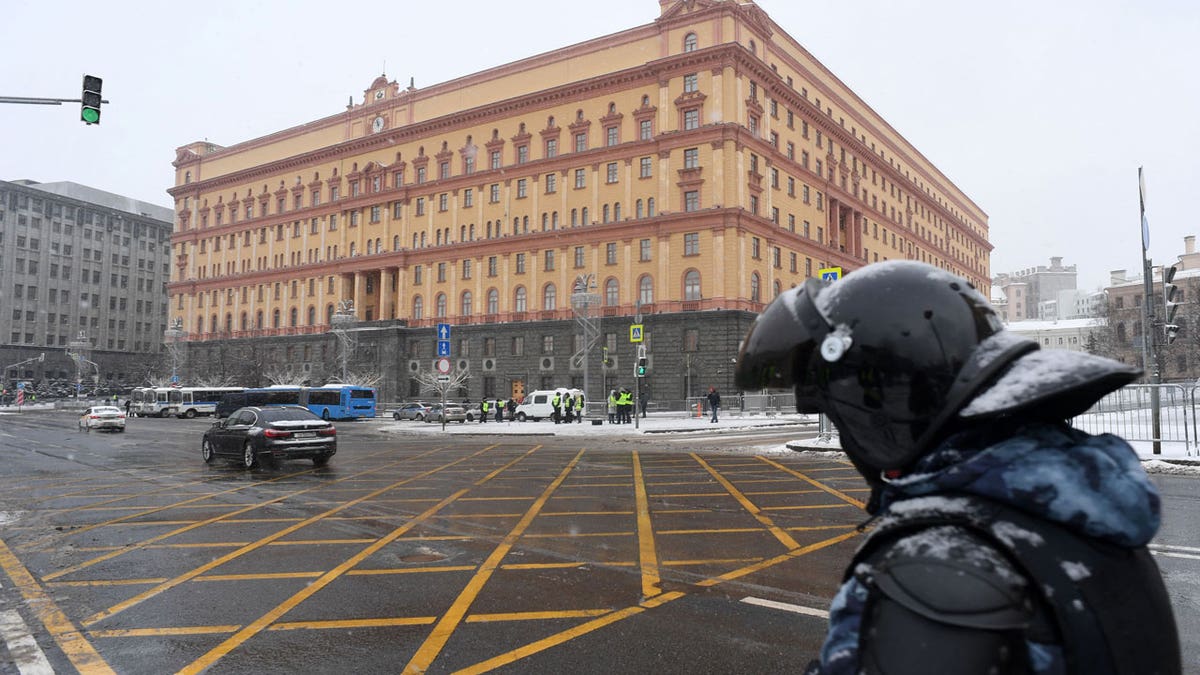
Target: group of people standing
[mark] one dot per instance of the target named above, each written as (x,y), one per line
(620,406)
(496,408)
(567,408)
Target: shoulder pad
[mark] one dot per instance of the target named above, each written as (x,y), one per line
(947,575)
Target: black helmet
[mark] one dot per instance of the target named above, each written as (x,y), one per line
(894,352)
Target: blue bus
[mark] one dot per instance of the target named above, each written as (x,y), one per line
(341,401)
(331,402)
(191,401)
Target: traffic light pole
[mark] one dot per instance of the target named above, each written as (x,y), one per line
(1148,357)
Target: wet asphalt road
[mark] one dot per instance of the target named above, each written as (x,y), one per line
(126,553)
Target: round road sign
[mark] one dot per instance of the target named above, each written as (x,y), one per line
(443,366)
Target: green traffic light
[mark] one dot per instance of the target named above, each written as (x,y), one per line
(90,115)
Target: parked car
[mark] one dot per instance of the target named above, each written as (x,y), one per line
(270,434)
(452,412)
(102,417)
(410,411)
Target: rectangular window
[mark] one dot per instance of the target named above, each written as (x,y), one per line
(549,261)
(691,243)
(644,250)
(551,147)
(496,164)
(491,266)
(645,167)
(691,200)
(792,261)
(468,197)
(494,193)
(581,141)
(417,275)
(611,172)
(420,206)
(579,256)
(645,130)
(466,272)
(522,188)
(691,119)
(444,169)
(421,175)
(444,202)
(610,254)
(804,194)
(441,271)
(518,345)
(547,344)
(691,158)
(755,246)
(580,178)
(376,214)
(522,154)
(691,82)
(520,263)
(611,136)
(551,183)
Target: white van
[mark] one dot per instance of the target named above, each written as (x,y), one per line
(537,404)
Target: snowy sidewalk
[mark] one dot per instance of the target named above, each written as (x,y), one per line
(654,423)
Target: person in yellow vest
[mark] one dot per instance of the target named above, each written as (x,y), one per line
(556,403)
(579,408)
(624,406)
(612,407)
(483,411)
(499,410)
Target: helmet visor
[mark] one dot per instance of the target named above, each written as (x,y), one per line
(780,342)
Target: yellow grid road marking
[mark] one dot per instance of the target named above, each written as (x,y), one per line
(263,622)
(145,595)
(776,531)
(833,491)
(436,640)
(78,650)
(647,555)
(536,616)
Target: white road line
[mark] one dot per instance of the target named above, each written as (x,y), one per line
(25,652)
(1166,554)
(798,609)
(1172,547)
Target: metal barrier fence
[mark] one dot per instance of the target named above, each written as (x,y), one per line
(1129,413)
(739,405)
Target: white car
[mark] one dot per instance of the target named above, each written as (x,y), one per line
(102,417)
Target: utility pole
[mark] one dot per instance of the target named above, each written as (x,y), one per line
(1148,331)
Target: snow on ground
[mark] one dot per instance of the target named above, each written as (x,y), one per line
(654,423)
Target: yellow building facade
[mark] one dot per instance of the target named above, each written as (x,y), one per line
(703,161)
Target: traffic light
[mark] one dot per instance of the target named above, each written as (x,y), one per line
(89,111)
(641,367)
(1170,305)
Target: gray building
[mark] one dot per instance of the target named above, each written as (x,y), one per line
(1026,289)
(82,271)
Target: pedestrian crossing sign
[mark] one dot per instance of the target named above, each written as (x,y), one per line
(635,332)
(830,273)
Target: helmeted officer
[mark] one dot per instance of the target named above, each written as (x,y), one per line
(1004,540)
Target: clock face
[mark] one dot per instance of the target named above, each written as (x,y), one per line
(378,94)
(377,124)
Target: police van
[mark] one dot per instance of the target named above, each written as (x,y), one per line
(537,404)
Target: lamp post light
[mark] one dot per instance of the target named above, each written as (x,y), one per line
(172,337)
(79,349)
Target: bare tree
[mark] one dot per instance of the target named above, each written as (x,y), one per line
(283,376)
(429,382)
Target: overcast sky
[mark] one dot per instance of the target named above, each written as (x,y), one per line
(1041,112)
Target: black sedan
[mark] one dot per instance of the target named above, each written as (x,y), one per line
(270,434)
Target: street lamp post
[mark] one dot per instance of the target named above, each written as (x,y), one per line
(343,320)
(172,337)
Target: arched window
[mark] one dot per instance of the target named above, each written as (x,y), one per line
(212,323)
(617,211)
(414,240)
(604,216)
(778,288)
(549,297)
(258,320)
(229,323)
(396,243)
(517,225)
(519,299)
(691,285)
(424,241)
(312,315)
(755,288)
(650,207)
(611,293)
(244,322)
(554,220)
(471,231)
(370,247)
(441,305)
(462,233)
(351,249)
(418,309)
(574,217)
(646,290)
(583,216)
(466,303)
(275,319)
(329,314)
(439,240)
(493,301)
(545,221)
(293,317)
(690,42)
(489,229)
(639,209)
(379,244)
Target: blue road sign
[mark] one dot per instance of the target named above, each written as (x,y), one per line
(20,385)
(830,273)
(443,333)
(174,379)
(443,348)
